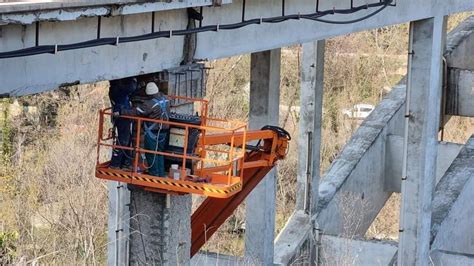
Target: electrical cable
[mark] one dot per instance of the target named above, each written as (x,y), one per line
(280,131)
(53,49)
(163,116)
(354,20)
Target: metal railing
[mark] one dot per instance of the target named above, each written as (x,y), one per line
(223,160)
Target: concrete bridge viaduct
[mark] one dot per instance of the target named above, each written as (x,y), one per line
(403,130)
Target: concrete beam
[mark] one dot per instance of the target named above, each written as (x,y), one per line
(292,32)
(442,258)
(102,63)
(260,204)
(447,152)
(346,251)
(427,39)
(27,12)
(289,243)
(352,193)
(309,138)
(461,43)
(460,92)
(453,210)
(215,259)
(28,75)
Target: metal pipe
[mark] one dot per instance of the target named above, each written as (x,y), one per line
(201,10)
(309,159)
(117,222)
(243,10)
(99,26)
(282,7)
(152,22)
(37,32)
(192,89)
(407,120)
(444,97)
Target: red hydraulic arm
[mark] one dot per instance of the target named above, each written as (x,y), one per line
(213,212)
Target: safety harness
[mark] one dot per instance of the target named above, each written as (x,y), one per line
(161,102)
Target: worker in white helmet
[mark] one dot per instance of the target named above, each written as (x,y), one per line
(154,105)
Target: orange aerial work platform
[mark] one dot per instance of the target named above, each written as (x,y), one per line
(218,158)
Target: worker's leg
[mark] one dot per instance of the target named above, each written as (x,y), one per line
(123,139)
(126,141)
(151,144)
(156,163)
(163,141)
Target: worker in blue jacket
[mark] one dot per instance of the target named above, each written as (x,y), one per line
(154,105)
(119,94)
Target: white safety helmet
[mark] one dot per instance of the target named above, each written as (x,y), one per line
(151,88)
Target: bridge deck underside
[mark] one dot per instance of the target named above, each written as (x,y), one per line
(26,75)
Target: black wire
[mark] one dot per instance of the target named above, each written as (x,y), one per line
(354,20)
(45,49)
(280,131)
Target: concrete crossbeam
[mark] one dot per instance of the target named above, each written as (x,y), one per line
(289,243)
(28,75)
(78,67)
(215,259)
(442,258)
(352,251)
(26,12)
(264,110)
(461,43)
(352,191)
(460,93)
(447,152)
(453,210)
(427,39)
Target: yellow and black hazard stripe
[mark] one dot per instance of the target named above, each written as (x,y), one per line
(162,181)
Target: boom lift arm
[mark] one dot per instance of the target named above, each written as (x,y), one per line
(213,212)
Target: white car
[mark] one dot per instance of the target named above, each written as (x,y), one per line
(358,111)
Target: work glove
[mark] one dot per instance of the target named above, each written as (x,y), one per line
(115,114)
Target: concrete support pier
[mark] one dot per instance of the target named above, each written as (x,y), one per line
(264,110)
(298,237)
(427,41)
(309,138)
(118,223)
(160,229)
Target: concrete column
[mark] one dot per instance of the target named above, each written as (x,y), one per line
(427,39)
(118,223)
(264,110)
(160,229)
(311,104)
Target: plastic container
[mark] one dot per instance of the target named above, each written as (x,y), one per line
(175,172)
